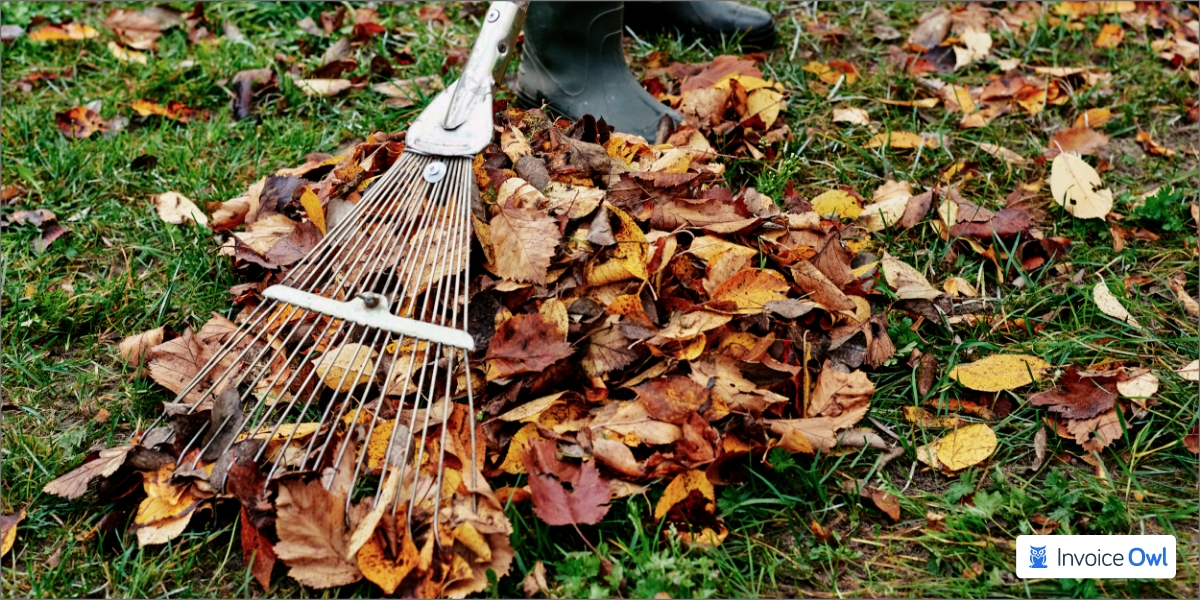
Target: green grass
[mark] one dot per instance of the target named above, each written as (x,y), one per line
(121,270)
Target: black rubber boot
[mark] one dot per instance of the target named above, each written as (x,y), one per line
(711,19)
(572,61)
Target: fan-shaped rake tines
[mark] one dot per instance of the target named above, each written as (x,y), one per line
(366,333)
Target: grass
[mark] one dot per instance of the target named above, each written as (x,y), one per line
(121,270)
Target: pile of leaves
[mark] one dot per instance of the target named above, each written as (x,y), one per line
(646,322)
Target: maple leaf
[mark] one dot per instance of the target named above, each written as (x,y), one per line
(586,503)
(525,344)
(1078,397)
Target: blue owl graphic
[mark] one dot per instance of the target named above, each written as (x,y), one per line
(1037,557)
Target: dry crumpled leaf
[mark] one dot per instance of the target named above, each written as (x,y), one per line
(905,140)
(1076,187)
(1000,372)
(839,401)
(1078,397)
(1080,139)
(887,205)
(133,28)
(1109,305)
(347,366)
(851,115)
(908,283)
(1190,371)
(80,122)
(176,208)
(75,483)
(323,87)
(312,535)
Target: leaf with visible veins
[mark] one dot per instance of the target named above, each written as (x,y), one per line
(1078,397)
(586,503)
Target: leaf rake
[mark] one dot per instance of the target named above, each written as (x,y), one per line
(363,346)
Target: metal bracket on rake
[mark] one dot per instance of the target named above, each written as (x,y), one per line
(371,310)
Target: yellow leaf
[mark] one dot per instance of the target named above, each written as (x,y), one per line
(312,207)
(1110,36)
(1076,187)
(531,410)
(900,139)
(126,56)
(383,571)
(749,289)
(624,260)
(1109,305)
(680,488)
(766,103)
(837,202)
(8,530)
(968,446)
(887,205)
(1000,372)
(1094,118)
(512,461)
(70,31)
(346,367)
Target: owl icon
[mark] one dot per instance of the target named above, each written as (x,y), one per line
(1037,557)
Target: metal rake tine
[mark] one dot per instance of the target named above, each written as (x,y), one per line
(312,395)
(437,191)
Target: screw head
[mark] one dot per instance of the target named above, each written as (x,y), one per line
(434,172)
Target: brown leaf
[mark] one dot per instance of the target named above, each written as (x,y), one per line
(931,29)
(80,122)
(75,483)
(718,69)
(586,503)
(524,240)
(295,245)
(1078,397)
(525,344)
(839,401)
(819,288)
(1080,139)
(176,208)
(134,29)
(1152,147)
(312,535)
(535,581)
(672,398)
(136,348)
(1096,433)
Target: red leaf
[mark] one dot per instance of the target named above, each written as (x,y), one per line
(258,551)
(525,344)
(1079,397)
(586,503)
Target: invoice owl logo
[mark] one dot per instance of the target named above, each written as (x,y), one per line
(1037,557)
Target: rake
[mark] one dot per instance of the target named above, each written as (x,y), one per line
(369,329)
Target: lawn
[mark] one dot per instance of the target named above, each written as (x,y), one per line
(121,270)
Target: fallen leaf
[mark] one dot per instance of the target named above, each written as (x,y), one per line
(135,349)
(747,291)
(1004,154)
(134,29)
(347,366)
(851,115)
(524,240)
(1076,187)
(1141,385)
(1191,441)
(837,202)
(966,447)
(126,56)
(1152,147)
(75,483)
(176,208)
(586,503)
(8,530)
(888,205)
(535,581)
(1190,371)
(999,372)
(1080,139)
(70,31)
(383,570)
(680,488)
(1078,397)
(80,122)
(323,87)
(977,44)
(672,398)
(525,344)
(1109,305)
(257,551)
(900,140)
(1096,433)
(908,283)
(1094,117)
(312,535)
(1110,36)
(1189,304)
